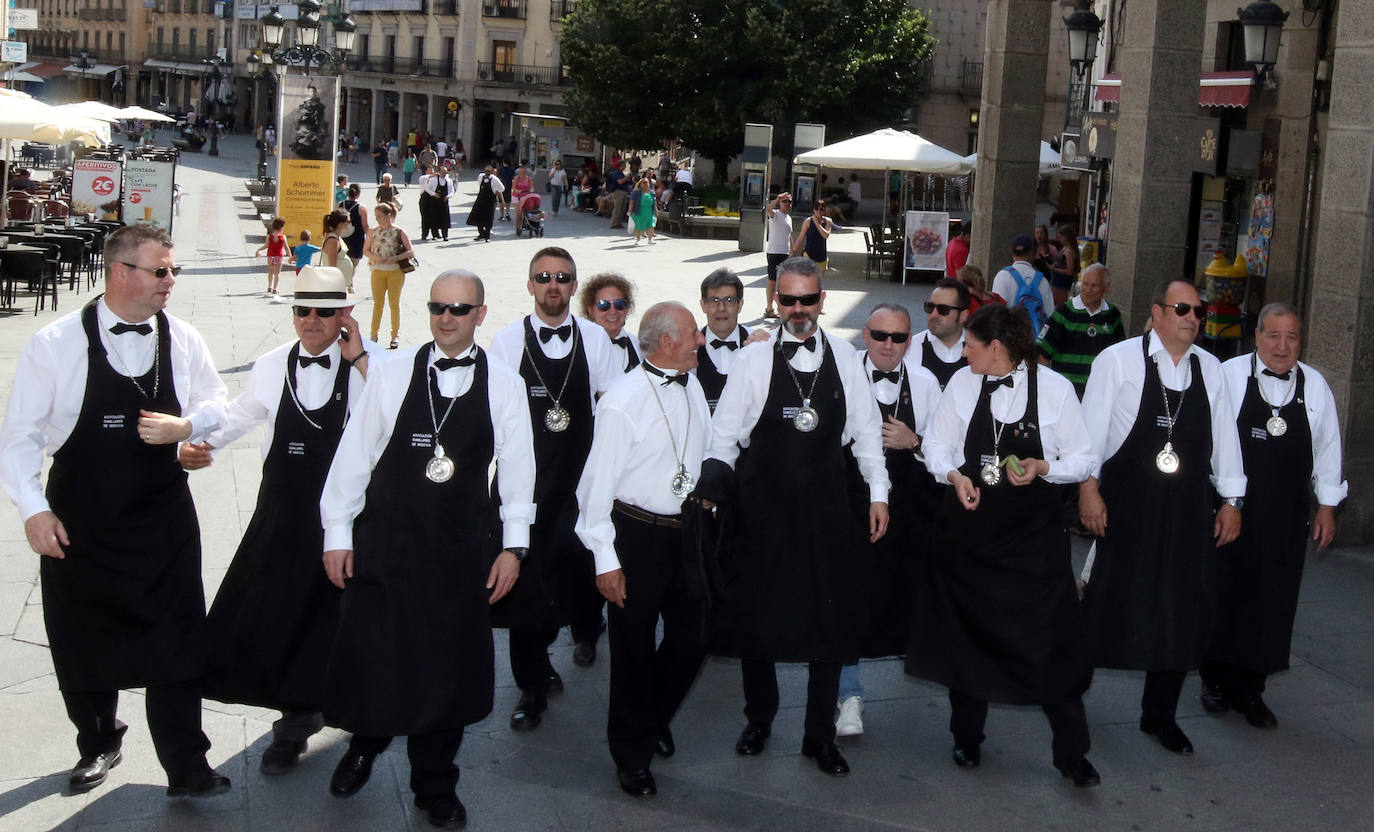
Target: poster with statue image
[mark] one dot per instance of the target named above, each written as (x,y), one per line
(308,121)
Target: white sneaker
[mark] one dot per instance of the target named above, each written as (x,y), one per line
(850,722)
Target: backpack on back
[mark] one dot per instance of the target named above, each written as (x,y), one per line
(1028,298)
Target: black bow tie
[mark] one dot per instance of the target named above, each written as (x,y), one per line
(546,333)
(141,329)
(895,376)
(789,348)
(680,378)
(716,344)
(991,384)
(1283,375)
(450,363)
(624,342)
(306,360)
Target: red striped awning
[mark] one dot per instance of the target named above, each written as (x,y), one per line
(1215,89)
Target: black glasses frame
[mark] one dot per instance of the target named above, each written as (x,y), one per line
(159,272)
(883,335)
(457,310)
(619,303)
(321,312)
(563,278)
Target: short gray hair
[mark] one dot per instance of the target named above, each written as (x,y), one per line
(657,322)
(804,266)
(1277,307)
(1094,267)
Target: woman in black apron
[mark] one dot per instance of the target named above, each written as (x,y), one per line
(999,619)
(483,211)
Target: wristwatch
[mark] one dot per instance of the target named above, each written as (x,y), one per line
(1236,503)
(520,552)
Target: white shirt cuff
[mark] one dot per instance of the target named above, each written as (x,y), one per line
(1332,495)
(338,537)
(1230,487)
(515,534)
(33,504)
(606,559)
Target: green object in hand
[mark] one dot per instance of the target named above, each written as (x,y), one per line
(1013,464)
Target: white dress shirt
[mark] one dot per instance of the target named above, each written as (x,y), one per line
(1320,405)
(1063,434)
(508,346)
(746,392)
(949,355)
(372,421)
(1112,400)
(633,458)
(925,388)
(430,184)
(723,357)
(1005,285)
(257,403)
(1077,303)
(50,385)
(620,355)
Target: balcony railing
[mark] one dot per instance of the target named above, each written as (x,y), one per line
(101,14)
(559,9)
(189,54)
(521,75)
(392,65)
(444,6)
(504,8)
(971,80)
(95,56)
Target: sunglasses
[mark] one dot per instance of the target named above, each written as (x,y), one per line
(457,310)
(897,337)
(160,272)
(561,277)
(805,300)
(1184,308)
(304,311)
(729,300)
(619,303)
(943,308)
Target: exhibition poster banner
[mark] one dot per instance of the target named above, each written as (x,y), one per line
(927,234)
(148,192)
(95,183)
(309,119)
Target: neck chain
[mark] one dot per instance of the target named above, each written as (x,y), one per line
(806,397)
(1287,396)
(997,426)
(429,389)
(566,376)
(682,483)
(295,399)
(157,363)
(1171,418)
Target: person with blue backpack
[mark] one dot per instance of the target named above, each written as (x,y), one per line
(1023,285)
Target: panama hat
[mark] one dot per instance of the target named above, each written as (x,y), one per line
(323,287)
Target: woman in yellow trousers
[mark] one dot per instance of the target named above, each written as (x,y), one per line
(386,247)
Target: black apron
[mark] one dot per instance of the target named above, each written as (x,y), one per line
(125,608)
(558,581)
(795,591)
(712,380)
(1259,573)
(273,620)
(483,209)
(942,371)
(413,653)
(1000,620)
(1148,605)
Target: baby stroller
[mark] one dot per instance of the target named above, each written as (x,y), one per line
(531,216)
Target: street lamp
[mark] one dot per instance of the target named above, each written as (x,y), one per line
(82,61)
(1083,27)
(306,50)
(1262,22)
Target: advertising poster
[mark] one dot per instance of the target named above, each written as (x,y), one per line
(94,183)
(148,192)
(309,119)
(1256,248)
(927,234)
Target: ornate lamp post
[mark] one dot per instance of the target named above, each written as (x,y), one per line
(215,110)
(1083,27)
(1262,23)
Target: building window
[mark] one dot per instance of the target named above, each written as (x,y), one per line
(121,46)
(503,55)
(191,41)
(176,39)
(159,38)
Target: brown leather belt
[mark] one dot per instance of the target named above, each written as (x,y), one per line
(672,521)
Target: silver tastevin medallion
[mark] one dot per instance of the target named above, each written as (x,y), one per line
(439,468)
(557,419)
(683,483)
(807,418)
(1166,460)
(1276,425)
(991,474)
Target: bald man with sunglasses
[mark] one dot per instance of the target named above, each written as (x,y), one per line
(108,391)
(272,622)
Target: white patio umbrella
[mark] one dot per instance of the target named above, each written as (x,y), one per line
(1049,160)
(886,149)
(144,114)
(94,109)
(26,119)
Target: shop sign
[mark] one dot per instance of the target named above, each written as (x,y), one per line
(1207,146)
(1098,136)
(1072,154)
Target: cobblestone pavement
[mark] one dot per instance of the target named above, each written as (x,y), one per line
(1312,772)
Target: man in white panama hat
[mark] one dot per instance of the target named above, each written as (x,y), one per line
(273,620)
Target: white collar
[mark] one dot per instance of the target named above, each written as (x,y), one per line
(106,317)
(1156,347)
(331,350)
(435,354)
(538,322)
(1077,301)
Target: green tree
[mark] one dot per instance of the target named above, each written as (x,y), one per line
(697,70)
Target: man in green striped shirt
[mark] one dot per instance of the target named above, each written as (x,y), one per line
(1081,328)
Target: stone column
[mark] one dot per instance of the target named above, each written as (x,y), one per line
(1152,175)
(1340,330)
(378,107)
(1014,61)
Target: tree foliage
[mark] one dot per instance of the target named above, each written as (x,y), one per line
(697,70)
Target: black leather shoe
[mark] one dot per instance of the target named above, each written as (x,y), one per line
(445,812)
(584,653)
(1256,713)
(555,684)
(967,756)
(1082,772)
(1168,733)
(281,756)
(351,774)
(1214,698)
(92,771)
(526,715)
(200,782)
(827,756)
(637,783)
(752,740)
(664,745)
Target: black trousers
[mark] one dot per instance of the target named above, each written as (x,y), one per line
(774,260)
(1237,683)
(1162,689)
(822,691)
(484,232)
(173,720)
(297,726)
(529,660)
(1068,723)
(648,683)
(433,773)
